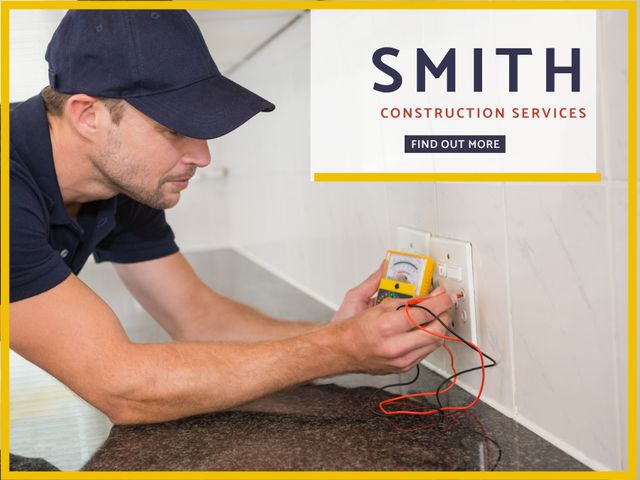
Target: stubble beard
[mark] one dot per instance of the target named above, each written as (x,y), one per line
(126,176)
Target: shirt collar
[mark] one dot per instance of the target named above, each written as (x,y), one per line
(29,133)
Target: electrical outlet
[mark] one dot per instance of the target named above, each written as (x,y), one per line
(413,241)
(454,272)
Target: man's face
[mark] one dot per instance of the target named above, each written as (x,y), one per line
(148,162)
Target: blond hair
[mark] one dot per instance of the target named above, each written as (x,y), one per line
(55,102)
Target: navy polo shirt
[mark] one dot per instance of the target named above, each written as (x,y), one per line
(46,243)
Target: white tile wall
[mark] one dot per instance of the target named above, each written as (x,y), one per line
(550,259)
(324,236)
(29,35)
(612,100)
(200,219)
(476,212)
(619,210)
(562,314)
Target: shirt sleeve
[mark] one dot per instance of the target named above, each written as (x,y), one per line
(35,266)
(141,233)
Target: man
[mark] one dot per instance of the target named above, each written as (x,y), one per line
(95,159)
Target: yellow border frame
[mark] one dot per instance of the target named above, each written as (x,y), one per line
(629,6)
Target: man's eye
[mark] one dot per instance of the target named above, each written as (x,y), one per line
(174,133)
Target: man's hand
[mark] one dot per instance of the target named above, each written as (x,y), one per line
(382,339)
(358,298)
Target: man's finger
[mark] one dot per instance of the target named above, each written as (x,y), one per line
(439,303)
(422,349)
(391,304)
(417,356)
(398,322)
(428,321)
(436,291)
(417,339)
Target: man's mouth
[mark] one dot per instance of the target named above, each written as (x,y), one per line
(183,182)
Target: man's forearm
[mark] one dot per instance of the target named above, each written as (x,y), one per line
(159,382)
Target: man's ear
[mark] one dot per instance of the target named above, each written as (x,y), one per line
(86,115)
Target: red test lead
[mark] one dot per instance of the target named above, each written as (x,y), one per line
(383,404)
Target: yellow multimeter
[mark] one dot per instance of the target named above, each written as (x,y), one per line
(406,275)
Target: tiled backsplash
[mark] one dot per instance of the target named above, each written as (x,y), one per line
(550,259)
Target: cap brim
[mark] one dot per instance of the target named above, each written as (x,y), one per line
(207,109)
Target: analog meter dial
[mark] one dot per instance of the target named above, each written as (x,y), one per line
(405,269)
(406,275)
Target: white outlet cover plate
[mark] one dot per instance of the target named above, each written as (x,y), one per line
(413,241)
(454,271)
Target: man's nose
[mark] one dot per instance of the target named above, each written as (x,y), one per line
(197,153)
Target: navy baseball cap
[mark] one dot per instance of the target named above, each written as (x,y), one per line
(155,60)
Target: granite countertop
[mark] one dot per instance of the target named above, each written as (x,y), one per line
(331,427)
(328,425)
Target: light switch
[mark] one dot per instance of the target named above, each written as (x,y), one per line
(442,270)
(454,272)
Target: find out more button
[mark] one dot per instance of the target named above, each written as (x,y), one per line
(455,144)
